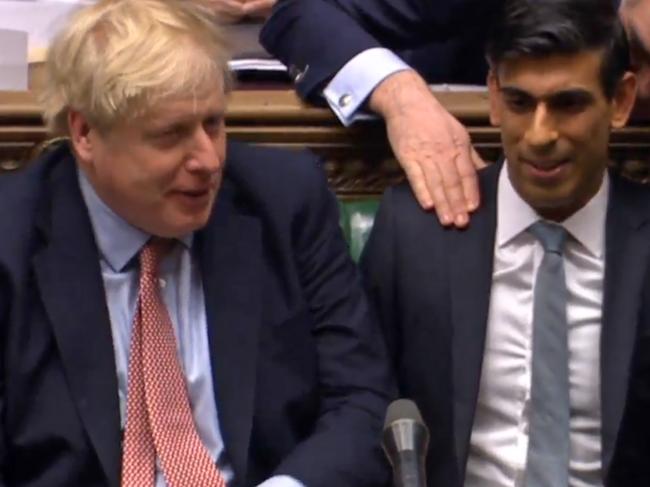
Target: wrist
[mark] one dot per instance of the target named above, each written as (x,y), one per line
(401,91)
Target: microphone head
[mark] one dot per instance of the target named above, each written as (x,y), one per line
(402,409)
(404,429)
(405,441)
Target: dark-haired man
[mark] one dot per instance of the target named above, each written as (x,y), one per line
(437,41)
(517,336)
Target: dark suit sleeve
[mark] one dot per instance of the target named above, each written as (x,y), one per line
(325,34)
(355,382)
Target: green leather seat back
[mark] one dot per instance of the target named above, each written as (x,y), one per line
(356,219)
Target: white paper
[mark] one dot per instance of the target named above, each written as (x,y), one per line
(13,60)
(41,19)
(252,64)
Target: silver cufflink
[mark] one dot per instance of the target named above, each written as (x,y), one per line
(345,100)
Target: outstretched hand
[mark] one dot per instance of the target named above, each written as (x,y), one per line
(432,147)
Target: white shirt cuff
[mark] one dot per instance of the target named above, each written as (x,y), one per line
(355,81)
(281,481)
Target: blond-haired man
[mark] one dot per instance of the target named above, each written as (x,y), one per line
(174,312)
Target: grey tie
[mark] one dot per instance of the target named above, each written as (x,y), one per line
(548,449)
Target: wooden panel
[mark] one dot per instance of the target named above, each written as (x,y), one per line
(358,159)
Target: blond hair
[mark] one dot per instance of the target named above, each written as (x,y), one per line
(117,59)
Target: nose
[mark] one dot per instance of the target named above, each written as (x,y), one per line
(204,155)
(541,131)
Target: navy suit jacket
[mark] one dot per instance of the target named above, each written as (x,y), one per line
(300,372)
(431,286)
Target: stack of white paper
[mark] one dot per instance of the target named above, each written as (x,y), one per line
(13,60)
(256,64)
(41,19)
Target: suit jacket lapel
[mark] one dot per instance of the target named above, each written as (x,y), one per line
(230,255)
(471,252)
(69,279)
(626,255)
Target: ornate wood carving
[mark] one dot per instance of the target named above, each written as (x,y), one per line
(357,159)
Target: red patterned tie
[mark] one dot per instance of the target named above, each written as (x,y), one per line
(159,419)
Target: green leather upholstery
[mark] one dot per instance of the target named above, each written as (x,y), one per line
(356,219)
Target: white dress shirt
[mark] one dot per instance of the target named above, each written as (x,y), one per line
(499,439)
(351,86)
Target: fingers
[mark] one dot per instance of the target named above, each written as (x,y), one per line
(456,169)
(443,155)
(258,8)
(477,160)
(235,10)
(467,166)
(432,147)
(417,180)
(470,180)
(228,10)
(437,183)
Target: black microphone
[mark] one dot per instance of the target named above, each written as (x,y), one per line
(405,441)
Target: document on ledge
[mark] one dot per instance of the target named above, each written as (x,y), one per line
(249,59)
(257,64)
(40,19)
(13,60)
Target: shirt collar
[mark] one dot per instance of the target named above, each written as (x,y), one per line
(587,225)
(118,240)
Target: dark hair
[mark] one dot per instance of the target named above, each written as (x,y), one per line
(542,28)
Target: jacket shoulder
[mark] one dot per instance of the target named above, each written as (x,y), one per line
(629,199)
(21,195)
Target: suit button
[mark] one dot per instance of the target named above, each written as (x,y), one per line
(345,100)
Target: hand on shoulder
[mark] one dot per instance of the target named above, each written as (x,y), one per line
(432,147)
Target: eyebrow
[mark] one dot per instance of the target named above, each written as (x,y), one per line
(576,93)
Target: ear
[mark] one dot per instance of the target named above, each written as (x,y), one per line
(80,129)
(494,97)
(623,100)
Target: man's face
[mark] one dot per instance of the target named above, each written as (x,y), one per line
(161,171)
(555,122)
(635,16)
